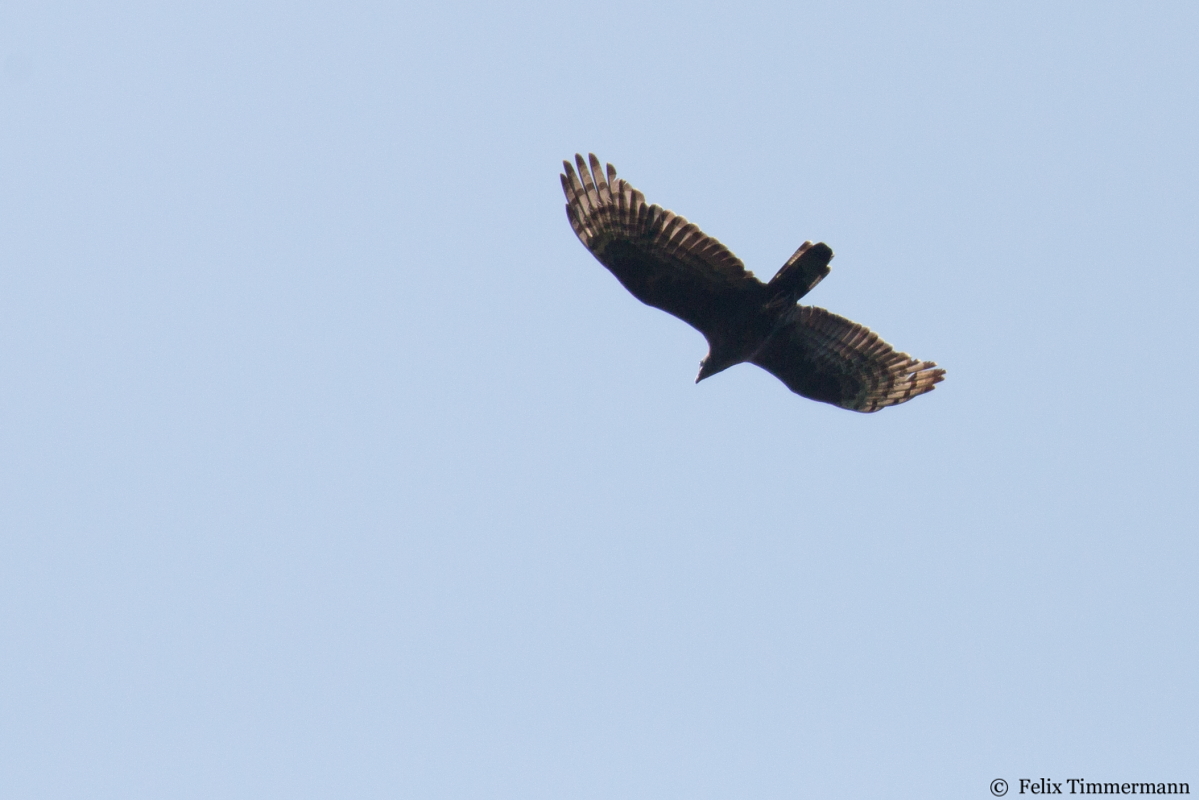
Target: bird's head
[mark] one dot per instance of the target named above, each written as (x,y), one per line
(709,367)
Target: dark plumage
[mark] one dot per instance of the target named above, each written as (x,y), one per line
(669,263)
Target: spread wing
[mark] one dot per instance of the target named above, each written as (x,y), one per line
(828,358)
(661,258)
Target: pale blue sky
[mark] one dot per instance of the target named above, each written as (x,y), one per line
(334,466)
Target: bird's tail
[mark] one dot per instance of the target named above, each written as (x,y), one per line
(803,270)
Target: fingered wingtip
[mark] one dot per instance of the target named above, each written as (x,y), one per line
(590,163)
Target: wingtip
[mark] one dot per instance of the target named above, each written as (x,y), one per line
(590,164)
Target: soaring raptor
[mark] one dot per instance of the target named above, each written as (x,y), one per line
(669,263)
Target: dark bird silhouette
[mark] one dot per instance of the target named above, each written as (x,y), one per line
(668,263)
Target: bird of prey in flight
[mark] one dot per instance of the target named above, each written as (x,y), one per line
(668,263)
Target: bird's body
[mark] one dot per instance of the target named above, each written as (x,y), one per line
(667,262)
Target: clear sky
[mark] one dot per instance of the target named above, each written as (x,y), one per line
(334,466)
